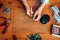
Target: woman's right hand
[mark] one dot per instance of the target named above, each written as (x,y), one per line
(29,11)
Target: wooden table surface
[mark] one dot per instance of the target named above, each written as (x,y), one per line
(22,25)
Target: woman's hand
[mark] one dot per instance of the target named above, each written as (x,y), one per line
(37,15)
(28,8)
(29,11)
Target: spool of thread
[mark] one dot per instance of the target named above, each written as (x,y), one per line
(56,30)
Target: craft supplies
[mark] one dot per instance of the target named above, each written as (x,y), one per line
(6,10)
(4,23)
(56,30)
(34,36)
(14,37)
(5,29)
(44,19)
(57,18)
(55,10)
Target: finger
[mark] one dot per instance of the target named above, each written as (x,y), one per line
(34,16)
(28,13)
(31,11)
(31,14)
(37,19)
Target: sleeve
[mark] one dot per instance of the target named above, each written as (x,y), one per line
(46,1)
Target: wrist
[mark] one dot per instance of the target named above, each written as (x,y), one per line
(28,8)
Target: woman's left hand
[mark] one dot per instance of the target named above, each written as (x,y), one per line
(37,15)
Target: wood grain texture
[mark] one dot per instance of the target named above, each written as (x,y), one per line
(22,25)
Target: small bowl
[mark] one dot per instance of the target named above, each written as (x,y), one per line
(44,19)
